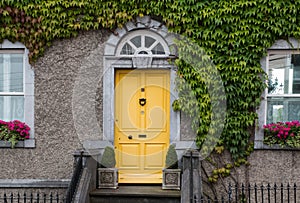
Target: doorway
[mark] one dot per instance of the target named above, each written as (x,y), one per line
(141,123)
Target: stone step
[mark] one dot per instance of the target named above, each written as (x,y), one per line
(135,194)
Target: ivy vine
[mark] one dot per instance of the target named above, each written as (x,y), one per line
(235,34)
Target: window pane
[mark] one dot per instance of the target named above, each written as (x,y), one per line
(293,110)
(296,73)
(275,111)
(143,53)
(284,74)
(283,109)
(1,73)
(11,72)
(149,41)
(158,49)
(127,50)
(12,108)
(16,73)
(136,41)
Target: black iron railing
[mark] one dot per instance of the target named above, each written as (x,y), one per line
(282,193)
(36,198)
(75,179)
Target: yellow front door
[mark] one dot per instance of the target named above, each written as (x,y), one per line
(142,100)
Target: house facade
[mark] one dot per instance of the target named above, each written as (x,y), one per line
(104,88)
(77,92)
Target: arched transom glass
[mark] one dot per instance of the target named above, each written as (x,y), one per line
(143,42)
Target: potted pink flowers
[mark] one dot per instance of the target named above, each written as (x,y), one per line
(13,131)
(285,134)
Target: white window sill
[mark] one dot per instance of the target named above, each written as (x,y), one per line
(30,143)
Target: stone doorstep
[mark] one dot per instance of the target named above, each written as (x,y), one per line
(137,191)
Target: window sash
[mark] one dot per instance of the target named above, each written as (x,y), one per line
(12,108)
(284,105)
(283,109)
(283,69)
(12,72)
(12,84)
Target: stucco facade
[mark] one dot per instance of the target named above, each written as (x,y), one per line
(55,133)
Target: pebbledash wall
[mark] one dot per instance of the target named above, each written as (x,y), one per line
(62,120)
(50,162)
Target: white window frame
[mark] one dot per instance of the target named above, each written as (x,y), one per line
(280,47)
(284,96)
(28,91)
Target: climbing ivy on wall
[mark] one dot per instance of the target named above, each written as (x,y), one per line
(235,34)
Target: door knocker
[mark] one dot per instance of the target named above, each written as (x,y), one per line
(142,101)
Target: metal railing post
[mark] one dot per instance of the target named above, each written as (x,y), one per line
(191,189)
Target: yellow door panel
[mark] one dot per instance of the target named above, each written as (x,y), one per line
(142,113)
(156,112)
(154,158)
(127,155)
(129,121)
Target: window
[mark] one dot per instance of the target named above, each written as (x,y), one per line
(17,87)
(12,85)
(146,43)
(283,94)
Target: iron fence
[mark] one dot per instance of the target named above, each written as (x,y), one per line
(38,197)
(32,198)
(282,193)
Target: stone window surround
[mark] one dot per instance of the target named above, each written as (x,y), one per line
(28,94)
(291,44)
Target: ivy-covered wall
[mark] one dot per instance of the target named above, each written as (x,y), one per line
(235,34)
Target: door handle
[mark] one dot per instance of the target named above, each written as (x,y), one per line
(130,137)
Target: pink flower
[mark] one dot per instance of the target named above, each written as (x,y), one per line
(16,127)
(11,126)
(3,122)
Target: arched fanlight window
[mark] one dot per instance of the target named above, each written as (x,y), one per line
(143,42)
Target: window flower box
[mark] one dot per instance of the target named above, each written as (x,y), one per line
(12,132)
(6,144)
(283,134)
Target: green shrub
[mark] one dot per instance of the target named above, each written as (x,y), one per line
(108,158)
(171,158)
